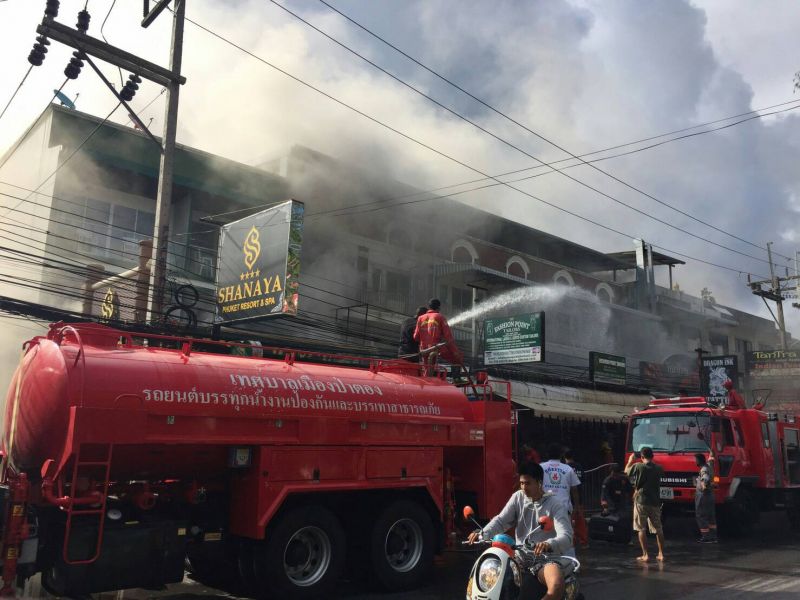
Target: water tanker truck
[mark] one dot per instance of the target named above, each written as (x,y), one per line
(757,455)
(124,454)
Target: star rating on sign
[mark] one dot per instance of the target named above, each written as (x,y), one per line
(249,275)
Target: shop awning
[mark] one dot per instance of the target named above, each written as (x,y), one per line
(578,403)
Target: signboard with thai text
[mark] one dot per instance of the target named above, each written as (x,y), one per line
(518,339)
(607,368)
(258,264)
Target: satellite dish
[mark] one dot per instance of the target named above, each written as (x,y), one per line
(65,101)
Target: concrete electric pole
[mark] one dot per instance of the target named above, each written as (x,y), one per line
(164,196)
(774,293)
(171,79)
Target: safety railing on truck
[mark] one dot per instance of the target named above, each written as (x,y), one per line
(187,345)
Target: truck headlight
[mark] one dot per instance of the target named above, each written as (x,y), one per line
(489,573)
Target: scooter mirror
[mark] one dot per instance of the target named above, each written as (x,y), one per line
(546,523)
(468,513)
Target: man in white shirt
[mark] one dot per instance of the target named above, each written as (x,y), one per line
(560,478)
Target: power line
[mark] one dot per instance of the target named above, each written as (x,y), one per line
(439,152)
(521,125)
(64,162)
(16,91)
(32,125)
(103,35)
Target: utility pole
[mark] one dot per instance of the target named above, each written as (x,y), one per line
(700,382)
(171,79)
(165,170)
(774,293)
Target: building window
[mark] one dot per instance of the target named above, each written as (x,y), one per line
(604,292)
(463,251)
(563,278)
(518,267)
(362,261)
(107,230)
(461,300)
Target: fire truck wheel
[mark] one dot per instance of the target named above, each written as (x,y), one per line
(247,574)
(793,514)
(401,545)
(742,514)
(303,555)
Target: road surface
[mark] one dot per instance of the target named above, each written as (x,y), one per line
(763,566)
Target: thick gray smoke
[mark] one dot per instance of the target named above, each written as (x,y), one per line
(588,75)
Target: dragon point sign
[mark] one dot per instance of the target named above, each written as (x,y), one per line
(517,339)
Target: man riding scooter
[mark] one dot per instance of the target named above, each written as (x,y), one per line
(523,511)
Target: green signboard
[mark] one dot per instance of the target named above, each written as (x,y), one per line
(607,368)
(517,339)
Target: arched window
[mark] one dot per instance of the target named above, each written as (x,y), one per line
(518,267)
(563,278)
(463,251)
(604,292)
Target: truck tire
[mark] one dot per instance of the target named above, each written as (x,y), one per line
(401,545)
(303,555)
(740,515)
(793,514)
(244,566)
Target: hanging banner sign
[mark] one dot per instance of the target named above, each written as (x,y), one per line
(258,266)
(517,339)
(607,368)
(779,364)
(716,370)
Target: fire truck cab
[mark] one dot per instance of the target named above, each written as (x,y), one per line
(757,455)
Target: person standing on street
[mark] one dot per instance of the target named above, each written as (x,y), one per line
(617,492)
(578,520)
(560,479)
(409,347)
(704,510)
(431,330)
(646,480)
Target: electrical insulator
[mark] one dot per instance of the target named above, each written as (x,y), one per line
(36,57)
(83,21)
(131,86)
(51,8)
(75,65)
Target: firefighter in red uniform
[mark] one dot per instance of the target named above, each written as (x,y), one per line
(432,329)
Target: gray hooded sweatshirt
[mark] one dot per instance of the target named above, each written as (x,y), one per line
(523,514)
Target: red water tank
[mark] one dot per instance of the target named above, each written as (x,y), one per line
(184,397)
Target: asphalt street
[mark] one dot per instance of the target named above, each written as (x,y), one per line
(763,566)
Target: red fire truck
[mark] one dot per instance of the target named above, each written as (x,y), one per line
(124,453)
(757,454)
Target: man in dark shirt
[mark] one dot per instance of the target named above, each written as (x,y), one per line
(617,492)
(646,479)
(408,345)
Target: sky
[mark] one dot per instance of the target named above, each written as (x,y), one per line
(585,74)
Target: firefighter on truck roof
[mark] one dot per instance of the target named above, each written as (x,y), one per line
(432,329)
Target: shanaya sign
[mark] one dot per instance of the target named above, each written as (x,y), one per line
(258,268)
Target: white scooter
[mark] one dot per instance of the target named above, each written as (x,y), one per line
(497,574)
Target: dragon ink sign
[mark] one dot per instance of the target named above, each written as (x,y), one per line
(258,266)
(716,371)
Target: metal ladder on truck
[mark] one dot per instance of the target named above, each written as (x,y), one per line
(88,506)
